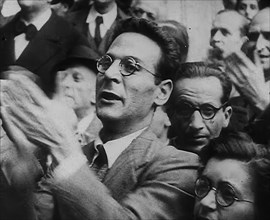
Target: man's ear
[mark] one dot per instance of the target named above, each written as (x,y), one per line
(227,116)
(244,39)
(163,92)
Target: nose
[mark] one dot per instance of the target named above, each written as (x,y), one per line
(113,72)
(261,43)
(217,36)
(67,81)
(196,121)
(209,201)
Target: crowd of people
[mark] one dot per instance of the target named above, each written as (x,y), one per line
(104,117)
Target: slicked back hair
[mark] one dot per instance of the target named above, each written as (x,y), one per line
(203,70)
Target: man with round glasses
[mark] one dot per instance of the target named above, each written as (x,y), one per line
(199,107)
(126,173)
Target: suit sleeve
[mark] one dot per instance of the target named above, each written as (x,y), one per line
(163,190)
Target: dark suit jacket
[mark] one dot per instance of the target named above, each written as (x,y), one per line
(78,20)
(50,46)
(147,181)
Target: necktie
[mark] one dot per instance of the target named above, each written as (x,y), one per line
(29,30)
(99,21)
(100,162)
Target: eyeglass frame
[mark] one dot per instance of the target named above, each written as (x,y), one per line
(210,187)
(199,110)
(121,64)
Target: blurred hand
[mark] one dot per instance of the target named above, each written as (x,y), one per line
(248,78)
(31,118)
(20,168)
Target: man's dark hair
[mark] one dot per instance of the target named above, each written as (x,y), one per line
(239,146)
(244,22)
(169,60)
(203,70)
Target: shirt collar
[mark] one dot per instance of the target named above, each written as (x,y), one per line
(41,19)
(114,148)
(108,18)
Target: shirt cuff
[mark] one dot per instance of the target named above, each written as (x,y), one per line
(69,166)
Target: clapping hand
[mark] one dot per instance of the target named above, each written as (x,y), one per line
(32,120)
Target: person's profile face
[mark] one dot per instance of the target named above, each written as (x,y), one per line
(259,37)
(225,34)
(248,8)
(131,97)
(230,178)
(192,127)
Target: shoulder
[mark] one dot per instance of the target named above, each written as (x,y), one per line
(166,163)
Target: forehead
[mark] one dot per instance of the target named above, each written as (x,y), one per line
(199,90)
(255,2)
(230,21)
(261,22)
(81,69)
(136,45)
(229,170)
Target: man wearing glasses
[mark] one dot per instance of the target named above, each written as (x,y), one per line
(199,106)
(126,173)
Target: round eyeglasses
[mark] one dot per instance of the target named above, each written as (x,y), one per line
(207,111)
(127,65)
(224,193)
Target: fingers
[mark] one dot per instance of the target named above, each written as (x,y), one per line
(15,133)
(31,88)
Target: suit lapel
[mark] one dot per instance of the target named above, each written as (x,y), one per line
(127,165)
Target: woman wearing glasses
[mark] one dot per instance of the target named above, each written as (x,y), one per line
(234,180)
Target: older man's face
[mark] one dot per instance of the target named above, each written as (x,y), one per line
(150,10)
(128,98)
(193,130)
(75,85)
(225,33)
(259,35)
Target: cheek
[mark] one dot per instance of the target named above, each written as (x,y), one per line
(142,96)
(241,212)
(214,127)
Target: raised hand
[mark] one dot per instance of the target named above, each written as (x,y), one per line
(248,78)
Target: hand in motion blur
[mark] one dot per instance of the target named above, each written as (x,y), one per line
(32,119)
(248,79)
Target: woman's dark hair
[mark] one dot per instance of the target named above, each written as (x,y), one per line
(239,146)
(179,32)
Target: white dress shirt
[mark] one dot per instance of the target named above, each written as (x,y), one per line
(20,41)
(112,148)
(108,20)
